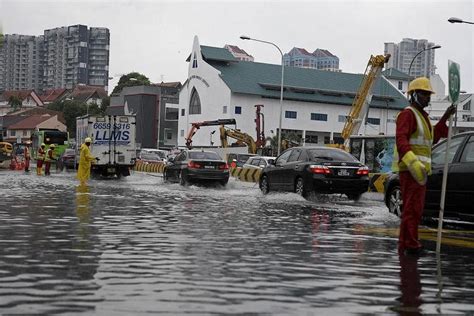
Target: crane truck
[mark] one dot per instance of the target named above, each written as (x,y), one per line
(197,125)
(360,105)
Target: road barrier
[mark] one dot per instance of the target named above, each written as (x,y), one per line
(155,167)
(377,181)
(246,174)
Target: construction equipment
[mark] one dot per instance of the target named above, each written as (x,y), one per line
(197,125)
(6,150)
(360,106)
(239,136)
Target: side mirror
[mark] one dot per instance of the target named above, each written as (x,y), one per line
(171,159)
(271,162)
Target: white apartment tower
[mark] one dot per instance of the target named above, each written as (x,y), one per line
(404,52)
(61,58)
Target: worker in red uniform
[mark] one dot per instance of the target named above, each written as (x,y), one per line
(40,159)
(48,159)
(26,154)
(414,139)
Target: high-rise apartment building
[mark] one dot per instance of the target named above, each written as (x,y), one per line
(404,52)
(21,66)
(319,59)
(61,58)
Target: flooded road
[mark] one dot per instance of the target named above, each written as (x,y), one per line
(136,246)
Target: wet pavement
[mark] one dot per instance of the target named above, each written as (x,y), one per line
(137,245)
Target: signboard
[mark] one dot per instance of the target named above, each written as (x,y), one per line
(454,81)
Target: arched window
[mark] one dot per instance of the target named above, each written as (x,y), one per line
(194,103)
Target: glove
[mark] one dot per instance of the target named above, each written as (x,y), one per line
(416,167)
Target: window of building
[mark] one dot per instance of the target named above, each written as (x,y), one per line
(400,85)
(12,133)
(171,114)
(373,121)
(290,114)
(183,111)
(342,118)
(319,117)
(467,106)
(195,103)
(238,110)
(224,109)
(182,133)
(25,133)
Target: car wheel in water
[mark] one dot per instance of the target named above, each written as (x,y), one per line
(299,187)
(354,196)
(264,187)
(395,202)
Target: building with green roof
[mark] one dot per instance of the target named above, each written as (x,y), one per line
(315,102)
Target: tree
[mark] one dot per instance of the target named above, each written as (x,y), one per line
(15,102)
(287,140)
(130,80)
(70,109)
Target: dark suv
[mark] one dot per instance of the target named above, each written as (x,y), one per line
(460,185)
(316,169)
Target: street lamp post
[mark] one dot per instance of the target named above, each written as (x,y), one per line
(281,85)
(458,20)
(421,51)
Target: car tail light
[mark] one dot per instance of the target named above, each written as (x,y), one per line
(194,165)
(223,166)
(319,169)
(363,171)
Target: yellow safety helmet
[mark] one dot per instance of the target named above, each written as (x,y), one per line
(52,146)
(421,83)
(43,144)
(88,140)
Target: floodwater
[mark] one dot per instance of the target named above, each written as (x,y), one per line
(136,246)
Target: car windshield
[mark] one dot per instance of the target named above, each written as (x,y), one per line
(204,155)
(329,154)
(243,158)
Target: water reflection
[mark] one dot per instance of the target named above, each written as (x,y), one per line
(410,286)
(139,246)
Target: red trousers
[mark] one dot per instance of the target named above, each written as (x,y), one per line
(47,166)
(413,196)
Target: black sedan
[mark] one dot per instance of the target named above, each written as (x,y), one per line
(460,185)
(316,169)
(197,166)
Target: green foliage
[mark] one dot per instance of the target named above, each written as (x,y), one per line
(15,102)
(130,80)
(287,140)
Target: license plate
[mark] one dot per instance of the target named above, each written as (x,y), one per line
(110,170)
(343,172)
(209,167)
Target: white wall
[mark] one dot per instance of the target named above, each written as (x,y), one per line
(213,94)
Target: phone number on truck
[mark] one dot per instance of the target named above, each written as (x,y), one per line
(111,125)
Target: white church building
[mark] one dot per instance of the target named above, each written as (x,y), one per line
(315,102)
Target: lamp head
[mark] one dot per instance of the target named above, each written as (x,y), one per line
(244,37)
(455,20)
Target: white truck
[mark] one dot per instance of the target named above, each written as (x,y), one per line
(113,143)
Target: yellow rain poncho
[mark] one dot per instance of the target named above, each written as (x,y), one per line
(85,161)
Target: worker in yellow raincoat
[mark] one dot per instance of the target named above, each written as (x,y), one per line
(85,161)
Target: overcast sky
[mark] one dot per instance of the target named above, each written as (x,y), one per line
(155,37)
